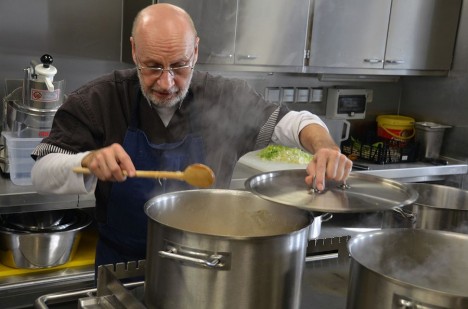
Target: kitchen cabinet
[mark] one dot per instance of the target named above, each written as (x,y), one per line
(87,28)
(215,21)
(245,32)
(393,36)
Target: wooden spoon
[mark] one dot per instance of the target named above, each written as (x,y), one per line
(197,175)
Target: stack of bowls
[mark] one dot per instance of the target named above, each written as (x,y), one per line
(41,239)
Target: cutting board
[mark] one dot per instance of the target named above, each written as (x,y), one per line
(252,160)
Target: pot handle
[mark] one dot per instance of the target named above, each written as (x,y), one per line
(211,261)
(405,303)
(347,124)
(326,217)
(405,214)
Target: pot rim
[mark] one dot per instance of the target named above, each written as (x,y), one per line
(396,231)
(307,216)
(447,206)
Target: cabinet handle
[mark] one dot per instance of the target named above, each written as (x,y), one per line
(247,57)
(373,60)
(395,61)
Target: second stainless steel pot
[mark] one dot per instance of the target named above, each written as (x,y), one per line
(437,208)
(224,249)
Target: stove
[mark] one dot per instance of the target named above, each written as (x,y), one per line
(324,283)
(325,277)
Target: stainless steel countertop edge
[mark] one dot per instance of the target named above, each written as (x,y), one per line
(404,172)
(14,197)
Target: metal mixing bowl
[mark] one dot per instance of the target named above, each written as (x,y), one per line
(29,249)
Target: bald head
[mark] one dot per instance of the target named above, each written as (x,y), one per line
(164,18)
(164,37)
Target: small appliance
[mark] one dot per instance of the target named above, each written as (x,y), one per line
(347,103)
(29,108)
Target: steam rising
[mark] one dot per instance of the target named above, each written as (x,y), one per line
(426,259)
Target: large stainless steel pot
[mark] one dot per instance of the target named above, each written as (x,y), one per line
(224,249)
(408,268)
(437,208)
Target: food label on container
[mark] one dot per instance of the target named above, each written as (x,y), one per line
(41,95)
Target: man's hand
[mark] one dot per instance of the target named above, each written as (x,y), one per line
(108,163)
(327,164)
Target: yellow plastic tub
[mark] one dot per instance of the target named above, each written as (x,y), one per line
(395,127)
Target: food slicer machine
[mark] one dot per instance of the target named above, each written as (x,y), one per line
(29,107)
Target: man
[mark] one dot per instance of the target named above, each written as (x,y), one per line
(164,116)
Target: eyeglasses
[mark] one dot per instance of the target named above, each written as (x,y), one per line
(156,72)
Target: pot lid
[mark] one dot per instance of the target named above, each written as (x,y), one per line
(363,193)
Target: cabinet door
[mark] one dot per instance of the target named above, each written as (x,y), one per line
(349,34)
(61,28)
(422,34)
(215,21)
(272,32)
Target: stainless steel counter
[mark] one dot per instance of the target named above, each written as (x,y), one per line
(15,198)
(404,172)
(22,290)
(417,171)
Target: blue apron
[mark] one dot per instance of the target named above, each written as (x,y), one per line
(123,237)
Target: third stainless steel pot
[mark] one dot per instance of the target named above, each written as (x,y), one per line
(437,208)
(224,249)
(408,268)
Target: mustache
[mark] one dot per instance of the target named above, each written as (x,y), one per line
(173,90)
(178,93)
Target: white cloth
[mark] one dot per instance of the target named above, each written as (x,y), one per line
(53,173)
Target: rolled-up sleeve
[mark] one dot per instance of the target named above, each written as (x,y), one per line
(288,128)
(52,174)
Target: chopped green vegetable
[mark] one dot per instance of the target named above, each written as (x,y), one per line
(285,154)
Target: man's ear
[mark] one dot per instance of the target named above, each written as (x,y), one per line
(132,42)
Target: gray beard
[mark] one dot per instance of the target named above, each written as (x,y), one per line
(166,103)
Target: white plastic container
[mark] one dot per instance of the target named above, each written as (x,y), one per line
(19,157)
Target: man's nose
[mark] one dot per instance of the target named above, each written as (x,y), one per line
(166,80)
